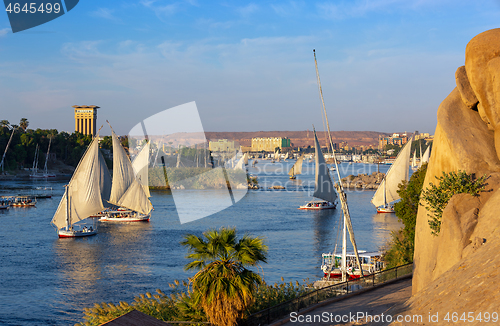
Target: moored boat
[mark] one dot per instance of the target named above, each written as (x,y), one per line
(4,204)
(23,201)
(371,262)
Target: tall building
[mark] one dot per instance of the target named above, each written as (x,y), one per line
(395,139)
(269,144)
(86,119)
(222,145)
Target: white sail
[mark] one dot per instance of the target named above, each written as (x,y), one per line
(240,164)
(398,172)
(420,163)
(324,188)
(427,154)
(88,187)
(297,167)
(123,179)
(276,155)
(414,160)
(140,166)
(286,156)
(245,158)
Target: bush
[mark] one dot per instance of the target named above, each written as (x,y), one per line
(270,295)
(436,197)
(401,247)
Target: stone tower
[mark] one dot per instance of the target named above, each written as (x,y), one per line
(86,119)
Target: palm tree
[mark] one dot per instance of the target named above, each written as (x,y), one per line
(223,285)
(24,123)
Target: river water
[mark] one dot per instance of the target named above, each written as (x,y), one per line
(48,281)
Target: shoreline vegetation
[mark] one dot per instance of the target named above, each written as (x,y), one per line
(223,291)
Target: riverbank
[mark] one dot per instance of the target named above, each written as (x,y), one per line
(363,181)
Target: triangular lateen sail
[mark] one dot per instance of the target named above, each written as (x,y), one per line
(324,188)
(126,190)
(88,185)
(398,172)
(427,154)
(241,163)
(141,167)
(297,167)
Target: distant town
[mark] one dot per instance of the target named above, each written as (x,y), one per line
(352,146)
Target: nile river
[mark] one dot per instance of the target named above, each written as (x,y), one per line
(48,281)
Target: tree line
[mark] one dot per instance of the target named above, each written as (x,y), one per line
(68,148)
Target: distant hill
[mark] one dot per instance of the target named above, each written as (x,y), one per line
(302,138)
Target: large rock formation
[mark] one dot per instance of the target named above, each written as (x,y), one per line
(467,138)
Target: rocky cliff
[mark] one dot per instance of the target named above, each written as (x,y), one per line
(457,271)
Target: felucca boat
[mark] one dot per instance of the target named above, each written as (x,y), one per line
(128,193)
(45,173)
(414,165)
(85,194)
(323,188)
(296,168)
(387,190)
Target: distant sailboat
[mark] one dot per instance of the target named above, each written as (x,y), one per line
(140,166)
(296,168)
(126,191)
(241,164)
(45,173)
(324,188)
(85,194)
(245,158)
(387,190)
(427,154)
(414,165)
(34,169)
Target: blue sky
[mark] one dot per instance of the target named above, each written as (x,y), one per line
(385,65)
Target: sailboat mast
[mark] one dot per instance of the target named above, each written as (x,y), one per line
(385,198)
(47,157)
(67,207)
(340,189)
(6,148)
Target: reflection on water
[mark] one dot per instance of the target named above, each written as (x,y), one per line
(383,225)
(90,266)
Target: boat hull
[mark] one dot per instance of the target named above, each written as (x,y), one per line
(119,218)
(75,233)
(382,210)
(336,276)
(22,205)
(318,206)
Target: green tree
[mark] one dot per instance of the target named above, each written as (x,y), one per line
(5,123)
(223,285)
(107,142)
(402,245)
(24,124)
